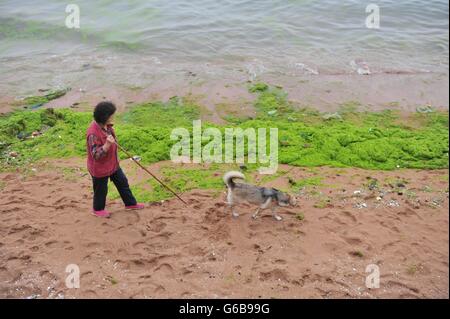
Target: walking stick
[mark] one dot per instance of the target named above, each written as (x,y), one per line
(150,173)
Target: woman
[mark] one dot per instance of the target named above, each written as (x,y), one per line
(103,161)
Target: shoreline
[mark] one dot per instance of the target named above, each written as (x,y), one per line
(375,92)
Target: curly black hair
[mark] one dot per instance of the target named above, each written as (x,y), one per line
(103,111)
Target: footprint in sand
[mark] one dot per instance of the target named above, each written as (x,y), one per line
(140,245)
(339,221)
(280,262)
(166,235)
(196,251)
(141,263)
(165,270)
(186,271)
(142,232)
(86,274)
(19,228)
(159,289)
(275,275)
(220,205)
(391,244)
(389,226)
(392,283)
(132,218)
(123,247)
(51,244)
(47,276)
(87,257)
(352,240)
(212,216)
(408,212)
(92,244)
(155,226)
(350,216)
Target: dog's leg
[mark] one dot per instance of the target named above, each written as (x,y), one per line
(234,213)
(255,215)
(275,215)
(262,207)
(231,203)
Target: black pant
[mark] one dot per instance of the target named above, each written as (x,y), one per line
(101,189)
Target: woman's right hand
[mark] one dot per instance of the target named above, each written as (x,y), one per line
(110,140)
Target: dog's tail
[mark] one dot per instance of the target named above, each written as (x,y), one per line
(229,177)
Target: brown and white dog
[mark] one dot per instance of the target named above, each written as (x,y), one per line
(262,196)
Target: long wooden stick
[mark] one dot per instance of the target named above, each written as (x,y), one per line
(150,173)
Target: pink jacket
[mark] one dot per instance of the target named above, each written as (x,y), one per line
(107,164)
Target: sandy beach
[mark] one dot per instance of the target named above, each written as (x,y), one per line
(168,250)
(353,97)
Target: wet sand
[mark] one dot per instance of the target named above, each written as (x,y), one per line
(325,92)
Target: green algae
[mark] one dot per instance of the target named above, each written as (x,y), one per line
(370,140)
(177,112)
(52,95)
(258,87)
(34,102)
(17,29)
(376,140)
(300,216)
(305,182)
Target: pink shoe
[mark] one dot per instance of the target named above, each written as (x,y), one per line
(137,206)
(101,213)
